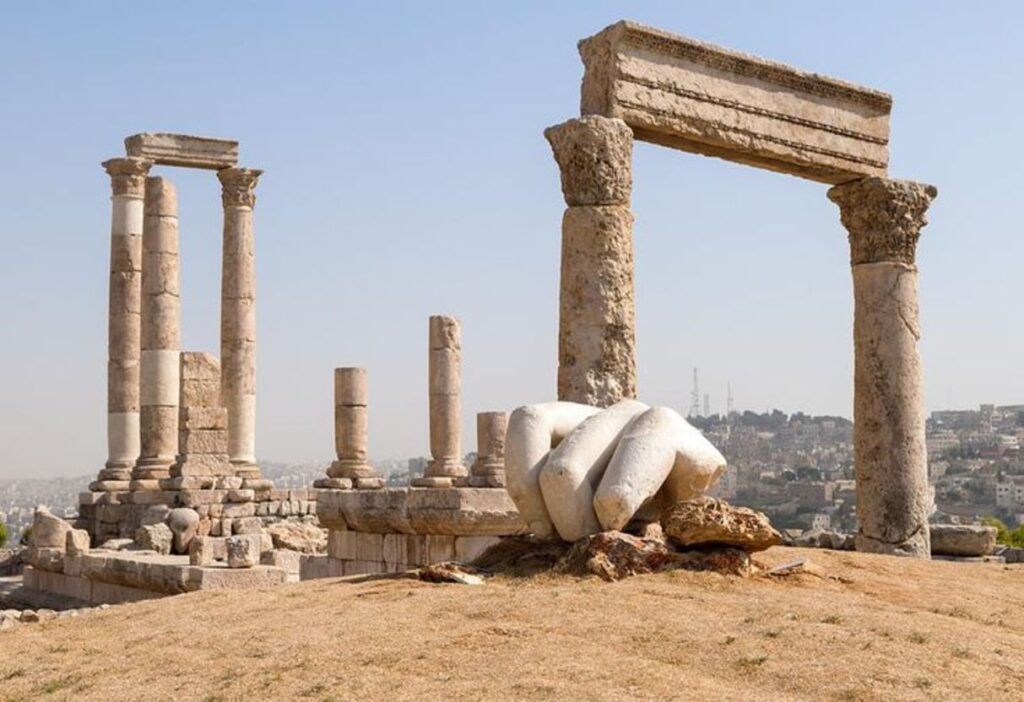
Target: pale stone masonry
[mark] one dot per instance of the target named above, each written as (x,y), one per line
(127,177)
(238,317)
(161,336)
(488,470)
(351,434)
(445,386)
(597,315)
(884,220)
(685,94)
(203,433)
(184,150)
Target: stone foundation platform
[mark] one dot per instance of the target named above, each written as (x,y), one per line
(116,515)
(112,577)
(396,529)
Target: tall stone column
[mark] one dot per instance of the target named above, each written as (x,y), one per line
(597,319)
(238,318)
(488,470)
(127,177)
(161,336)
(351,434)
(445,468)
(884,220)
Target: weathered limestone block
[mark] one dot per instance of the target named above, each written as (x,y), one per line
(155,537)
(201,551)
(77,542)
(701,98)
(183,150)
(48,530)
(463,511)
(533,430)
(298,536)
(574,469)
(884,220)
(659,450)
(962,540)
(243,551)
(595,156)
(708,522)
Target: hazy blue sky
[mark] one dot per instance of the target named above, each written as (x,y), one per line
(406,175)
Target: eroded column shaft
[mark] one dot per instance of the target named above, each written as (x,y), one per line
(127,177)
(351,432)
(445,386)
(488,470)
(161,336)
(884,218)
(238,318)
(597,319)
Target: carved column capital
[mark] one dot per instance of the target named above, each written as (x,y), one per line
(128,175)
(595,155)
(883,217)
(237,186)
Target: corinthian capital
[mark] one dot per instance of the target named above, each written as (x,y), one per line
(237,185)
(883,217)
(128,175)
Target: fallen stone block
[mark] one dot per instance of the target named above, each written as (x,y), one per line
(962,540)
(709,522)
(243,551)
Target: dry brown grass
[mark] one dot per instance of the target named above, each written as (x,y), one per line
(873,628)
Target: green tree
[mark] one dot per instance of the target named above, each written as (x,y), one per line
(3,534)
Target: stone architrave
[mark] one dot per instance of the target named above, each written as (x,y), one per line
(701,98)
(351,429)
(488,470)
(184,150)
(161,336)
(238,318)
(884,220)
(128,179)
(597,316)
(445,468)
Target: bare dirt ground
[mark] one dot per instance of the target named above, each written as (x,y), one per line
(864,628)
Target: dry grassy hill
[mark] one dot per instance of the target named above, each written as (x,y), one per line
(863,628)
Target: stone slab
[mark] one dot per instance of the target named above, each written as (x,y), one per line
(701,98)
(449,511)
(183,150)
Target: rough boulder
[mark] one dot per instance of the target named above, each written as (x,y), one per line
(707,522)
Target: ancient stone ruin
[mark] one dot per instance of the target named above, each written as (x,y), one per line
(182,483)
(644,83)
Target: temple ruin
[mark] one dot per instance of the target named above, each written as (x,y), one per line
(645,83)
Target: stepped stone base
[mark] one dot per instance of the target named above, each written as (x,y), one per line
(399,529)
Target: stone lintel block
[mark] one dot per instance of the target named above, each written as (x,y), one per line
(693,96)
(375,511)
(183,150)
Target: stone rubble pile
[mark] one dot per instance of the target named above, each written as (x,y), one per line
(9,618)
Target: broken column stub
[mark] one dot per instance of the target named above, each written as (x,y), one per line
(597,317)
(884,220)
(445,468)
(351,429)
(488,470)
(161,336)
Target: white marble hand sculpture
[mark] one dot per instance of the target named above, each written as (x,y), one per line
(575,470)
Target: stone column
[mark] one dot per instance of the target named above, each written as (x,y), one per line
(884,220)
(351,432)
(127,177)
(161,336)
(488,470)
(445,468)
(238,318)
(596,327)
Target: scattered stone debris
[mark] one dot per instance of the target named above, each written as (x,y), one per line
(10,618)
(450,572)
(819,538)
(705,522)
